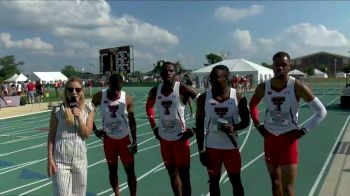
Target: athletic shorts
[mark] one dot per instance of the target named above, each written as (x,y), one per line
(280,150)
(175,153)
(230,158)
(115,148)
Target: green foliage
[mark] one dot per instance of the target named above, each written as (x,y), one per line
(69,71)
(9,66)
(158,67)
(323,69)
(212,58)
(310,71)
(346,69)
(266,65)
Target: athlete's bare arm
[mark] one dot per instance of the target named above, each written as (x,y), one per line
(260,90)
(187,92)
(304,92)
(131,117)
(243,112)
(96,99)
(200,115)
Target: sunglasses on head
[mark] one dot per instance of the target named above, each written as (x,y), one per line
(72,89)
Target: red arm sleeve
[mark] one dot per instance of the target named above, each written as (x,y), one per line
(150,111)
(254,112)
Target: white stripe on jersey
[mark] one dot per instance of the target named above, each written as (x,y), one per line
(282,108)
(171,112)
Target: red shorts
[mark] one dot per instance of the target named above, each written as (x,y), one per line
(117,147)
(175,153)
(280,150)
(230,158)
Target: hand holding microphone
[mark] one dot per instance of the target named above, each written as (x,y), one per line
(73,104)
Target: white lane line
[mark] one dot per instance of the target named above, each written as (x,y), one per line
(23,149)
(240,149)
(325,165)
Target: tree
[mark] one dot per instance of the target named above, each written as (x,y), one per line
(179,67)
(157,67)
(323,69)
(346,69)
(266,65)
(69,71)
(310,71)
(9,66)
(212,58)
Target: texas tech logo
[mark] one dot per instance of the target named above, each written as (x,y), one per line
(166,105)
(113,110)
(278,101)
(221,111)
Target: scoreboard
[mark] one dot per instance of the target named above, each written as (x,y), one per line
(114,60)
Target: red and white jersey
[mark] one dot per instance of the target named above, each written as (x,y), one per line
(171,112)
(227,110)
(114,116)
(282,108)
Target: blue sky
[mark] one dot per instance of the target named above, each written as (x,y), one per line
(47,35)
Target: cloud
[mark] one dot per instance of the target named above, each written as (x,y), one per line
(86,20)
(228,14)
(298,40)
(243,40)
(317,36)
(79,29)
(31,44)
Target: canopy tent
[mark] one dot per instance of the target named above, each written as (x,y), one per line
(21,78)
(240,67)
(319,74)
(341,75)
(296,73)
(12,78)
(48,76)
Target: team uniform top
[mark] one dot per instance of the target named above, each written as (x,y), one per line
(69,142)
(114,116)
(282,108)
(171,112)
(227,110)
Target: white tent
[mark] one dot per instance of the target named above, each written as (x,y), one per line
(341,75)
(319,74)
(48,76)
(21,78)
(240,67)
(296,73)
(12,78)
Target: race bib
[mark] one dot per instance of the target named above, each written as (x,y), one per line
(169,125)
(113,126)
(278,118)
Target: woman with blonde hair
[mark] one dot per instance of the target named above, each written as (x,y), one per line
(70,124)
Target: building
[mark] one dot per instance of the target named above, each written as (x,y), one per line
(325,61)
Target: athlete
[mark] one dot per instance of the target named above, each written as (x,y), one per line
(117,112)
(172,132)
(280,129)
(218,111)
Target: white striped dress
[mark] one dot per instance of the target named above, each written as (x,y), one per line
(70,156)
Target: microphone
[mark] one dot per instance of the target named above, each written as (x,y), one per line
(73,103)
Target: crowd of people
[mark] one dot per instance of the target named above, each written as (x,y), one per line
(33,90)
(221,112)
